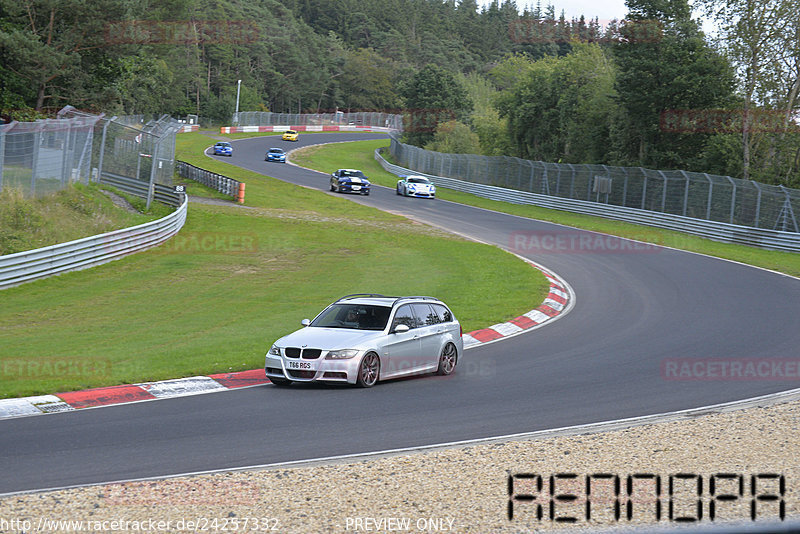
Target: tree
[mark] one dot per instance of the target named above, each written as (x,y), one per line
(366,81)
(432,96)
(59,48)
(763,39)
(676,70)
(560,108)
(453,137)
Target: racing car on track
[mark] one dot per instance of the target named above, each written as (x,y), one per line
(275,154)
(289,135)
(223,148)
(349,181)
(363,338)
(416,186)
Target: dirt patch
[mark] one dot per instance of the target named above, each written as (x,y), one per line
(120,201)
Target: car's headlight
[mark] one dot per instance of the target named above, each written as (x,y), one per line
(345,354)
(275,350)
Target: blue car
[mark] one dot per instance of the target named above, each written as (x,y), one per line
(275,154)
(223,149)
(349,181)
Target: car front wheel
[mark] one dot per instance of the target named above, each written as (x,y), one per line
(447,360)
(368,370)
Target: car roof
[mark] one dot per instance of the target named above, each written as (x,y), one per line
(223,143)
(382,300)
(276,150)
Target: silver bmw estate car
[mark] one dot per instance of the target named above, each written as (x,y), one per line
(363,338)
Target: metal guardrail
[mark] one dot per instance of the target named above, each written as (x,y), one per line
(162,193)
(389,120)
(696,195)
(217,182)
(83,253)
(719,231)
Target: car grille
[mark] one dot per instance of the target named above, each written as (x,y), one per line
(306,354)
(301,374)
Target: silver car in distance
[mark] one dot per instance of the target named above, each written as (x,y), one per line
(363,338)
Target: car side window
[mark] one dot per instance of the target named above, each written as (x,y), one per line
(444,314)
(404,316)
(425,315)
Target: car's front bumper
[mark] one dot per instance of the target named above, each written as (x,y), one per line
(319,369)
(354,188)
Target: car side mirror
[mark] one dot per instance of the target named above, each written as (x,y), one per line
(305,322)
(399,329)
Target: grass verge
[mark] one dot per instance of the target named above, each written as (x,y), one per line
(72,213)
(214,298)
(361,154)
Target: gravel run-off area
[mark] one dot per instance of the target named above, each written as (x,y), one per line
(466,488)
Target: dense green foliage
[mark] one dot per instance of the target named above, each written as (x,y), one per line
(527,83)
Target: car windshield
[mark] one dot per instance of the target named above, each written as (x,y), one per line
(353,316)
(352,173)
(290,132)
(223,145)
(275,151)
(418,181)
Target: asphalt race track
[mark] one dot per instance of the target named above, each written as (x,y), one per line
(637,309)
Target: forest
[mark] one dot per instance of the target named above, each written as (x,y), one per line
(651,90)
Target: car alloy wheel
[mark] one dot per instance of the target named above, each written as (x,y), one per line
(448,359)
(368,370)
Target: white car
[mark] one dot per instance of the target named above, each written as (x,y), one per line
(416,186)
(361,339)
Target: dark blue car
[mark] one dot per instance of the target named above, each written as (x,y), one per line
(349,181)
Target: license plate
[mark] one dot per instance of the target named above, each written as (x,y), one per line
(356,187)
(306,366)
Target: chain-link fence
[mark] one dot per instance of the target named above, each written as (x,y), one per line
(47,155)
(339,118)
(691,194)
(44,156)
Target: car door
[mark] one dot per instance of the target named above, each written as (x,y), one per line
(448,326)
(428,331)
(402,348)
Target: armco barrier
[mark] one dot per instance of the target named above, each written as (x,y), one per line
(217,182)
(718,231)
(162,193)
(83,253)
(302,128)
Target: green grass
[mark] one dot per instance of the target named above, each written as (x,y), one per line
(72,213)
(216,296)
(361,154)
